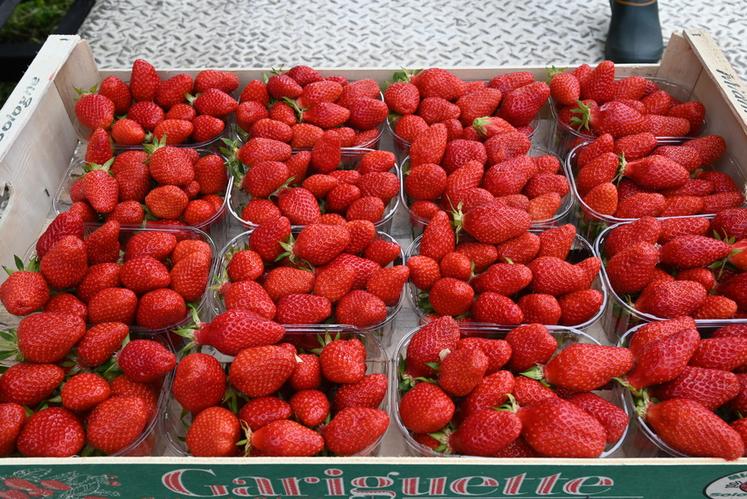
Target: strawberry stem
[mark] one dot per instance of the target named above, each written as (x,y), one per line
(585,116)
(536,372)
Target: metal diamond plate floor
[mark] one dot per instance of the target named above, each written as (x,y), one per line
(174,33)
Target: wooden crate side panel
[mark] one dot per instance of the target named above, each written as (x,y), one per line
(679,64)
(32,170)
(79,71)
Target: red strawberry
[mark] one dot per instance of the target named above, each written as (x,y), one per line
(51,432)
(247,295)
(320,244)
(462,370)
(438,237)
(361,309)
(23,292)
(646,229)
(126,132)
(65,303)
(303,309)
(710,148)
(481,102)
(144,274)
(520,106)
(449,296)
(266,238)
(510,81)
(506,279)
(368,392)
(602,199)
(286,438)
(494,225)
(214,102)
(635,146)
(84,391)
(65,263)
(540,308)
(173,131)
(631,269)
(299,205)
(673,299)
(159,309)
(611,417)
(367,113)
(261,411)
(214,432)
(716,307)
(48,337)
(100,342)
(492,391)
(556,277)
(436,82)
(402,97)
(530,344)
(565,88)
(100,190)
(664,358)
(387,283)
(13,418)
(310,407)
(99,148)
(557,241)
(343,361)
(429,146)
(691,251)
(29,384)
(711,387)
(600,84)
(145,361)
(94,110)
(584,367)
(426,345)
(619,120)
(506,146)
(486,432)
(658,172)
(426,408)
(521,249)
(118,92)
(694,430)
(496,308)
(262,370)
(147,114)
(557,428)
(601,145)
(112,305)
(720,353)
(236,329)
(580,306)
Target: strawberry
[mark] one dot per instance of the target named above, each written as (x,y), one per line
(462,370)
(494,225)
(449,296)
(368,392)
(635,146)
(692,111)
(13,418)
(334,282)
(116,423)
(143,80)
(691,251)
(169,165)
(112,305)
(520,106)
(94,110)
(214,432)
(173,131)
(409,127)
(65,303)
(611,417)
(667,126)
(521,249)
(174,90)
(496,308)
(167,202)
(29,384)
(116,91)
(99,148)
(51,432)
(663,358)
(286,438)
(259,149)
(540,308)
(143,274)
(673,299)
(584,367)
(210,78)
(402,97)
(530,344)
(557,241)
(384,185)
(199,212)
(438,237)
(261,370)
(426,408)
(694,430)
(456,265)
(658,172)
(387,283)
(65,263)
(126,132)
(24,291)
(492,391)
(122,386)
(486,432)
(250,112)
(722,201)
(320,244)
(481,102)
(600,84)
(343,361)
(436,82)
(506,279)
(181,111)
(271,129)
(84,391)
(245,265)
(147,114)
(310,407)
(299,205)
(261,411)
(720,353)
(631,269)
(381,252)
(565,88)
(236,329)
(556,277)
(160,308)
(426,345)
(730,223)
(159,245)
(646,229)
(48,337)
(367,113)
(145,361)
(528,391)
(424,271)
(100,189)
(266,238)
(558,428)
(247,295)
(620,120)
(601,145)
(510,81)
(631,87)
(602,199)
(580,306)
(283,281)
(100,342)
(64,224)
(710,148)
(189,276)
(429,146)
(506,146)
(657,102)
(361,309)
(710,387)
(303,309)
(214,102)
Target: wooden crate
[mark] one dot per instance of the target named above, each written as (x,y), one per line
(38,134)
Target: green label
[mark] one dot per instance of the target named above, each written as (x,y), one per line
(450,480)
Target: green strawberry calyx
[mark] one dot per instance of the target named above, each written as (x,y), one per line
(582,121)
(31,266)
(536,373)
(481,124)
(190,332)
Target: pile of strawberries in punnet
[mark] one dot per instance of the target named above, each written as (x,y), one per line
(325,272)
(475,110)
(688,386)
(69,390)
(503,273)
(310,186)
(593,102)
(636,176)
(136,277)
(680,266)
(175,185)
(178,110)
(448,174)
(481,396)
(284,395)
(299,107)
